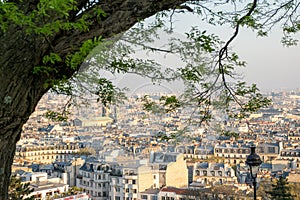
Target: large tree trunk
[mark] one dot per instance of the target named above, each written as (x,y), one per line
(21,90)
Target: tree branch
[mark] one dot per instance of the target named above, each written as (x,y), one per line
(223,53)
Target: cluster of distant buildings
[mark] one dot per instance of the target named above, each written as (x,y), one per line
(131,160)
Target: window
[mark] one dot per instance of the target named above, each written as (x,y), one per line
(271,149)
(154,198)
(154,176)
(229,174)
(133,181)
(260,150)
(144,196)
(134,190)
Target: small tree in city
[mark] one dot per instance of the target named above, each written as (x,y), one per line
(280,190)
(18,190)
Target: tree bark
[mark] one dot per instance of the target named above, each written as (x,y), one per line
(21,90)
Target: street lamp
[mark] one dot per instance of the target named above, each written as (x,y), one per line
(254,161)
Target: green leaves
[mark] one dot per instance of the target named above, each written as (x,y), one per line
(60,7)
(52,58)
(228,133)
(76,59)
(107,93)
(249,99)
(10,14)
(165,104)
(191,73)
(57,116)
(18,190)
(170,103)
(281,190)
(206,42)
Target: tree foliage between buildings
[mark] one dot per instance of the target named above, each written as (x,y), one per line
(280,190)
(18,190)
(47,44)
(85,152)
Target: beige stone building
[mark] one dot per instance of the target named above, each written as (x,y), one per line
(163,169)
(232,153)
(45,154)
(213,173)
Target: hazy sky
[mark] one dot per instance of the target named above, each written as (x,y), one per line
(269,64)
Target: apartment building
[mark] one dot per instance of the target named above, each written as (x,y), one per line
(294,136)
(94,179)
(42,153)
(237,153)
(165,168)
(212,173)
(269,151)
(196,152)
(132,180)
(116,191)
(43,187)
(291,154)
(126,180)
(161,170)
(232,153)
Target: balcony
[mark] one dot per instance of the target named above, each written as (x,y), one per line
(130,177)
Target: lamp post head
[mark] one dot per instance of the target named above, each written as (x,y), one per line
(254,161)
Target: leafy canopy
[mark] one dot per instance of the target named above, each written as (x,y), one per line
(209,65)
